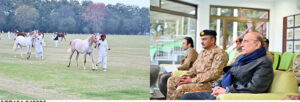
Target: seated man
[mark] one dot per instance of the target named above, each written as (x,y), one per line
(207,68)
(266,44)
(252,72)
(190,56)
(239,50)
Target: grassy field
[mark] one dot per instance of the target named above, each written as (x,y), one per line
(127,76)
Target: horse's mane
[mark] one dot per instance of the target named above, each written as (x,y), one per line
(90,39)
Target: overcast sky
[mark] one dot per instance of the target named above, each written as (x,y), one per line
(140,3)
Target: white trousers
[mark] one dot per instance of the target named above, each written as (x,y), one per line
(39,54)
(38,50)
(56,42)
(103,59)
(8,36)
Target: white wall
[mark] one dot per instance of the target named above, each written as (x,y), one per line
(283,8)
(278,9)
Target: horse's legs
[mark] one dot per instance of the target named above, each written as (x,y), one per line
(28,51)
(91,57)
(21,51)
(65,38)
(71,57)
(84,61)
(77,56)
(16,50)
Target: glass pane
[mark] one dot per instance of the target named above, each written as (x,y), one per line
(289,46)
(297,46)
(191,26)
(297,20)
(154,3)
(234,30)
(229,33)
(226,12)
(262,27)
(254,14)
(290,21)
(289,34)
(167,33)
(213,11)
(297,33)
(170,5)
(217,25)
(242,29)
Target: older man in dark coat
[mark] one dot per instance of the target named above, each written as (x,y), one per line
(251,73)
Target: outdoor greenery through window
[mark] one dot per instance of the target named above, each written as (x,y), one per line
(169,24)
(233,22)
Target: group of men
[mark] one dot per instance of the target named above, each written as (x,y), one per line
(209,74)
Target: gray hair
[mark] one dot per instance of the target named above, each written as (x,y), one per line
(261,40)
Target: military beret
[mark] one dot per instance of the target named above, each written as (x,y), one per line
(239,40)
(208,32)
(266,40)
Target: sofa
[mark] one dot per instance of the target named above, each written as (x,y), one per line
(284,84)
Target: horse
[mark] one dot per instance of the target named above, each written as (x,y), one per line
(83,47)
(21,34)
(62,35)
(22,41)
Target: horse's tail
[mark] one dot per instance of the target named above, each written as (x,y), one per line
(14,47)
(70,49)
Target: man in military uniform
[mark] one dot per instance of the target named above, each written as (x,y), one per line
(251,73)
(207,68)
(239,50)
(266,44)
(190,56)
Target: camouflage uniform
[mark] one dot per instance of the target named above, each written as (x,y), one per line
(207,68)
(186,63)
(188,59)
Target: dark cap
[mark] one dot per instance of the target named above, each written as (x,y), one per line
(266,40)
(208,32)
(239,40)
(103,35)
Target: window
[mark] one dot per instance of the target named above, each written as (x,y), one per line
(170,22)
(231,23)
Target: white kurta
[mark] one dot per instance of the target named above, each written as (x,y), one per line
(102,53)
(8,35)
(38,46)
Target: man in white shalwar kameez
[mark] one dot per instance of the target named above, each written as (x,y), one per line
(55,38)
(102,51)
(38,41)
(8,35)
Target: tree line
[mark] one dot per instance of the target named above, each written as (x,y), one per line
(72,16)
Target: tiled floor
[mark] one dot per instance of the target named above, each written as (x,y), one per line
(156,95)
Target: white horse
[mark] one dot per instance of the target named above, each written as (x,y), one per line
(21,42)
(84,47)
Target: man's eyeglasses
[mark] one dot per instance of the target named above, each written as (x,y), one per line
(246,41)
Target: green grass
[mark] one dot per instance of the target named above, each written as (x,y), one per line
(14,96)
(127,76)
